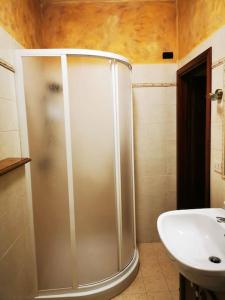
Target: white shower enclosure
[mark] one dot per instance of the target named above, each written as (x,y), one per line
(76,125)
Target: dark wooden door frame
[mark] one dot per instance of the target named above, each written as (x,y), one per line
(203,58)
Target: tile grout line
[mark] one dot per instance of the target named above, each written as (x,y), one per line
(10,130)
(142,279)
(10,247)
(161,272)
(163,275)
(170,291)
(13,100)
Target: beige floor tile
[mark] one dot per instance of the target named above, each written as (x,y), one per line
(160,296)
(173,283)
(159,248)
(155,284)
(164,257)
(163,260)
(169,269)
(136,287)
(145,256)
(175,295)
(150,268)
(162,254)
(139,296)
(158,277)
(146,250)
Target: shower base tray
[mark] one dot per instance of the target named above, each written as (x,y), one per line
(104,290)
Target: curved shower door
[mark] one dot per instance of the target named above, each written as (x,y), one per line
(80,135)
(92,136)
(47,147)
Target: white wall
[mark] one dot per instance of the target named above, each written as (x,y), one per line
(9,134)
(17,273)
(155,146)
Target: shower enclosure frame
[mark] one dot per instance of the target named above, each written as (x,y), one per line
(114,285)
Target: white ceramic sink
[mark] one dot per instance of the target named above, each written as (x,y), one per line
(191,237)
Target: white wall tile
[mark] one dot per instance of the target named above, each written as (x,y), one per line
(19,283)
(17,264)
(9,144)
(155,147)
(217,136)
(8,115)
(171,182)
(217,77)
(154,73)
(171,157)
(13,194)
(217,112)
(7,84)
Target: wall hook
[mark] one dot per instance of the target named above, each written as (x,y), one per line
(218,95)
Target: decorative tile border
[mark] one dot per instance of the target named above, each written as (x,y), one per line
(6,65)
(218,63)
(151,84)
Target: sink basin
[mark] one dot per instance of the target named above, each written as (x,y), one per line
(193,237)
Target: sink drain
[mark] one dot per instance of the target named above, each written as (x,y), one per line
(215,259)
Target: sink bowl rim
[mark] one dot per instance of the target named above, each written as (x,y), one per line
(207,212)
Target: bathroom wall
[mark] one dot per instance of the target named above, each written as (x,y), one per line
(22,19)
(155,145)
(17,273)
(217,42)
(19,25)
(197,20)
(140,31)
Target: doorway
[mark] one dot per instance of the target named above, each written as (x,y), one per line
(193,140)
(193,132)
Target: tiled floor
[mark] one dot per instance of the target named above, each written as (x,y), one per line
(157,279)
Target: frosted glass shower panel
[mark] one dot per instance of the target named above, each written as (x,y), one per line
(46,134)
(91,107)
(126,161)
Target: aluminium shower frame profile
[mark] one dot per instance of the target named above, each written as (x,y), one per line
(63,54)
(117,172)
